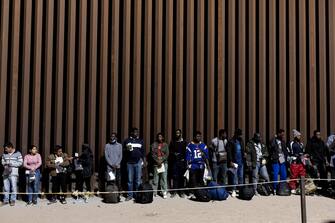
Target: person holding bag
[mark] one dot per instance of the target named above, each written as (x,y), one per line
(32,162)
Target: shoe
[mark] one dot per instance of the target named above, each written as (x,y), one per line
(5,203)
(233,194)
(63,201)
(53,200)
(34,202)
(128,198)
(293,191)
(182,195)
(29,203)
(12,203)
(172,195)
(274,192)
(164,196)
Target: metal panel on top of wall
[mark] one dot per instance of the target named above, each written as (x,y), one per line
(74,71)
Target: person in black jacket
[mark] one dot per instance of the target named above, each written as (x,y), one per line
(317,150)
(177,161)
(83,166)
(278,157)
(236,159)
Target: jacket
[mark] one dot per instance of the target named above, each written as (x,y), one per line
(231,152)
(251,158)
(317,150)
(274,150)
(133,150)
(11,163)
(155,155)
(51,163)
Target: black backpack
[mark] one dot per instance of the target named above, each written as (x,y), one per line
(265,189)
(112,198)
(246,193)
(202,195)
(145,197)
(283,189)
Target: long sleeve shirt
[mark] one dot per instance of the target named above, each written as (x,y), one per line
(113,155)
(11,163)
(32,162)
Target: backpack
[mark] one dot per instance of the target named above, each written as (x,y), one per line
(264,189)
(217,194)
(112,198)
(202,195)
(283,189)
(246,193)
(145,197)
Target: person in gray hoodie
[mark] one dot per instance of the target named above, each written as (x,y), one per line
(11,161)
(113,156)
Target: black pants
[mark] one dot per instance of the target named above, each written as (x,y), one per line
(59,182)
(80,180)
(321,169)
(178,171)
(196,178)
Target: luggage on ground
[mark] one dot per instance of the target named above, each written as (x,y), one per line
(217,194)
(145,197)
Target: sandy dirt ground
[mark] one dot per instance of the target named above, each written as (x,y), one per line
(260,209)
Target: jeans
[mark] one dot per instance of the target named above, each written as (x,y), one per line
(260,169)
(10,185)
(162,178)
(34,187)
(278,168)
(220,172)
(134,176)
(238,175)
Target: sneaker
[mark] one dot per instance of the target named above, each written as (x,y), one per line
(233,194)
(5,203)
(63,201)
(293,191)
(29,203)
(182,195)
(34,202)
(53,200)
(164,196)
(128,198)
(274,192)
(12,203)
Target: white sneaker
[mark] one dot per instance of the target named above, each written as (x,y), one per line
(233,194)
(164,195)
(293,191)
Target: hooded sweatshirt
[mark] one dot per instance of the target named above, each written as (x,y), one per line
(11,163)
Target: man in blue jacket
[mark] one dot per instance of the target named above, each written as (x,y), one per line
(134,155)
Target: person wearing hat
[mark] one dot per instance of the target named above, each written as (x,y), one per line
(257,155)
(297,168)
(235,159)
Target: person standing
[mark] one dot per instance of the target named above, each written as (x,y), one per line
(219,157)
(278,157)
(331,150)
(84,169)
(11,160)
(177,155)
(113,156)
(197,160)
(32,162)
(58,163)
(297,168)
(135,157)
(258,154)
(236,159)
(160,154)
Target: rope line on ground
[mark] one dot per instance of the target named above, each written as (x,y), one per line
(88,193)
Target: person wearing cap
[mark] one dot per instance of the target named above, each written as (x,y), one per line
(297,168)
(257,155)
(235,159)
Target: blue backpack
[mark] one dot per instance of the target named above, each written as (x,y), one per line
(217,194)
